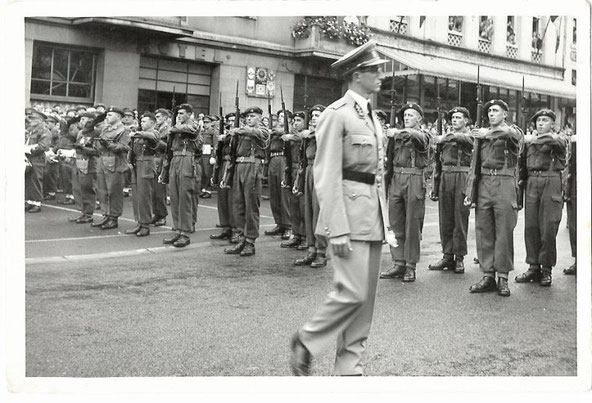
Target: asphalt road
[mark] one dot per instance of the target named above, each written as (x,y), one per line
(157,311)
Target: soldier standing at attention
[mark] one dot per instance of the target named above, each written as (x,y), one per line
(317,244)
(37,141)
(545,156)
(159,199)
(50,180)
(570,196)
(496,210)
(407,156)
(210,135)
(182,175)
(457,146)
(253,139)
(349,181)
(112,146)
(278,196)
(143,145)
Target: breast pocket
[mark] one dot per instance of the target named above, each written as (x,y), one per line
(361,208)
(108,163)
(363,149)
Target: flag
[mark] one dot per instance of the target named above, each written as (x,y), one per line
(422,20)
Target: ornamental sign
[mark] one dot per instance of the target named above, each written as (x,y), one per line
(260,82)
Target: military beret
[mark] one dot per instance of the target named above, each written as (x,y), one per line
(128,111)
(253,109)
(381,114)
(209,117)
(229,115)
(498,102)
(99,106)
(458,109)
(99,119)
(88,115)
(299,114)
(150,116)
(317,107)
(116,110)
(80,107)
(70,110)
(163,111)
(71,121)
(36,114)
(214,118)
(415,107)
(288,113)
(186,107)
(544,112)
(52,118)
(362,56)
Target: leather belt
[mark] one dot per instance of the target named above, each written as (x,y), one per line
(277,154)
(498,172)
(544,173)
(408,171)
(251,160)
(356,176)
(145,158)
(186,152)
(226,158)
(455,168)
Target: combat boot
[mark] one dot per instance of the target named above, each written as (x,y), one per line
(571,270)
(307,260)
(171,239)
(446,263)
(134,230)
(235,238)
(502,287)
(546,277)
(227,234)
(292,243)
(532,275)
(409,276)
(275,231)
(485,285)
(397,271)
(100,222)
(459,265)
(286,234)
(320,261)
(236,249)
(182,241)
(248,250)
(110,224)
(144,231)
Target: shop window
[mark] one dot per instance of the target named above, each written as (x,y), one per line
(61,72)
(319,90)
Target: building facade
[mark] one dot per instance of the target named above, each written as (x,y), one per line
(143,62)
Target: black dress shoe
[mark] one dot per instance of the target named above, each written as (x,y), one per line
(134,230)
(571,270)
(302,245)
(300,359)
(206,195)
(546,279)
(68,202)
(100,222)
(235,238)
(397,271)
(49,197)
(502,287)
(111,224)
(442,264)
(160,222)
(274,231)
(182,241)
(236,249)
(84,219)
(35,209)
(222,235)
(307,260)
(248,250)
(75,219)
(286,234)
(409,276)
(459,266)
(320,261)
(144,231)
(171,239)
(529,276)
(292,243)
(486,284)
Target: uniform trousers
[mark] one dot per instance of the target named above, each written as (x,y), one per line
(159,206)
(50,178)
(197,189)
(346,313)
(311,212)
(247,198)
(542,213)
(110,187)
(34,183)
(207,170)
(143,182)
(296,208)
(406,214)
(453,214)
(182,178)
(496,216)
(225,204)
(84,190)
(65,178)
(278,201)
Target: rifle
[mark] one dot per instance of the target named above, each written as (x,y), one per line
(229,176)
(393,99)
(299,181)
(164,174)
(475,170)
(436,177)
(521,165)
(219,147)
(287,182)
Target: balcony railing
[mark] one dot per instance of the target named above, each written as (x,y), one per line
(536,55)
(511,51)
(399,27)
(484,45)
(454,38)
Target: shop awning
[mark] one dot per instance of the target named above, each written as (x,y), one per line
(464,71)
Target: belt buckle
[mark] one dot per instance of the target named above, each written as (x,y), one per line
(240,159)
(493,172)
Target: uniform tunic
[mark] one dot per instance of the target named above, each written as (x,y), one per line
(65,142)
(225,194)
(571,194)
(210,138)
(50,179)
(278,198)
(159,206)
(295,203)
(41,138)
(311,202)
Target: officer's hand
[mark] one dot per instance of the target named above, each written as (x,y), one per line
(212,161)
(392,132)
(479,133)
(390,238)
(341,245)
(433,196)
(467,202)
(286,137)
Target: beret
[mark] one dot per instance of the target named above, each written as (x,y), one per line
(150,116)
(544,112)
(317,107)
(288,113)
(127,111)
(413,106)
(498,102)
(229,115)
(458,109)
(115,110)
(163,111)
(299,114)
(99,105)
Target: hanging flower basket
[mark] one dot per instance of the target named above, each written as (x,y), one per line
(332,29)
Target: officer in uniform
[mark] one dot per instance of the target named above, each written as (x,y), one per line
(456,146)
(496,210)
(84,177)
(225,193)
(278,195)
(544,157)
(159,199)
(37,142)
(143,145)
(65,145)
(112,146)
(408,156)
(208,161)
(50,180)
(183,171)
(252,141)
(570,196)
(349,181)
(317,244)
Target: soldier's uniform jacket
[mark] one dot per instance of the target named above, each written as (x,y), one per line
(114,159)
(350,141)
(65,142)
(163,131)
(276,144)
(38,135)
(210,138)
(187,137)
(55,135)
(409,149)
(145,146)
(310,145)
(500,148)
(457,148)
(86,154)
(252,146)
(546,152)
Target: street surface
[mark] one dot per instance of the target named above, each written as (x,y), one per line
(105,304)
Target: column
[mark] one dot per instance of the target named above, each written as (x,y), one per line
(471,32)
(498,43)
(436,28)
(524,36)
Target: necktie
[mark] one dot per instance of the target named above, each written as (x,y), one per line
(370,109)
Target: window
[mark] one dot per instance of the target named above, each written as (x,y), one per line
(63,72)
(574,31)
(510,31)
(486,28)
(537,36)
(455,23)
(319,90)
(398,24)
